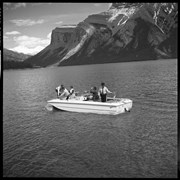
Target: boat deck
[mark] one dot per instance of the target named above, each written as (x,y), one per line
(109,100)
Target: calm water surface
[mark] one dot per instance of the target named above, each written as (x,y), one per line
(42,143)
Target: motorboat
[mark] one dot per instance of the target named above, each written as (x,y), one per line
(112,106)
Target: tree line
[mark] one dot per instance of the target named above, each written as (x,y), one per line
(16,65)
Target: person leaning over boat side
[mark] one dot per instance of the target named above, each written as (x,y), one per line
(64,93)
(95,96)
(103,90)
(71,93)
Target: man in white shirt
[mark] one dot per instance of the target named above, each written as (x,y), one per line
(103,90)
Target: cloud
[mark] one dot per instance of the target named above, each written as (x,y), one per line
(26,22)
(49,35)
(13,5)
(18,5)
(30,45)
(31,41)
(7,4)
(68,26)
(12,33)
(36,4)
(109,5)
(97,4)
(25,50)
(5,37)
(60,22)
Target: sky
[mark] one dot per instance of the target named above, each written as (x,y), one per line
(27,27)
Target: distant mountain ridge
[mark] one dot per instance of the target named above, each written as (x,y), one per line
(9,55)
(14,60)
(125,32)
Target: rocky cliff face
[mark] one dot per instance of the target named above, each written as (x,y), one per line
(125,32)
(61,39)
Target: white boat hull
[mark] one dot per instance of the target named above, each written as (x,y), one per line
(113,106)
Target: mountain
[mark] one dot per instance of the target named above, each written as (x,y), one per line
(60,41)
(14,60)
(9,55)
(125,32)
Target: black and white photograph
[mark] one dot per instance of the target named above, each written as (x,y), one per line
(90,89)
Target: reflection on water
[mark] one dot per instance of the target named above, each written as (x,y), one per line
(42,143)
(49,107)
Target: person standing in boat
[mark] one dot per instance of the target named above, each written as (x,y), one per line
(103,90)
(64,93)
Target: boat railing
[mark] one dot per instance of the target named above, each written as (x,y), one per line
(112,99)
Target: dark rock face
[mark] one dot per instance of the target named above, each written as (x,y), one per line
(125,32)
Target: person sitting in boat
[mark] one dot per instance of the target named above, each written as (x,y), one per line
(88,95)
(71,93)
(64,93)
(103,90)
(94,92)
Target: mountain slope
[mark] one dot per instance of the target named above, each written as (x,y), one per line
(60,41)
(125,32)
(129,32)
(9,55)
(14,60)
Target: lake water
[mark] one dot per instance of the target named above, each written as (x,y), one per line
(137,144)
